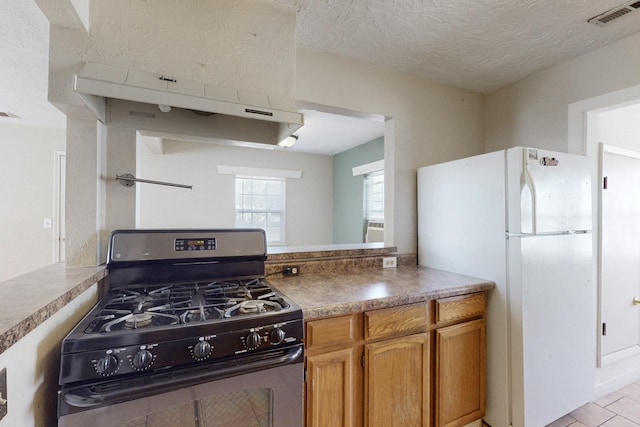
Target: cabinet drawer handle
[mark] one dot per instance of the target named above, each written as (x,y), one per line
(636,300)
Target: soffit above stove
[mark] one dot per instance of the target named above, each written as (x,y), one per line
(166,105)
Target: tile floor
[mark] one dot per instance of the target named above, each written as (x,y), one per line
(618,409)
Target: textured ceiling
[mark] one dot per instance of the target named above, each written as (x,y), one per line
(480,45)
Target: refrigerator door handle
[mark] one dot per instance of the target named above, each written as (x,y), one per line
(528,181)
(548,233)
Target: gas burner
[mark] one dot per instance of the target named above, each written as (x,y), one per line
(252,307)
(139,321)
(202,313)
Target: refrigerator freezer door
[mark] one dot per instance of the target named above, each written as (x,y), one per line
(548,191)
(552,326)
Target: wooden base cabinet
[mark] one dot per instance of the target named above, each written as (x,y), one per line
(397,382)
(460,374)
(331,389)
(416,365)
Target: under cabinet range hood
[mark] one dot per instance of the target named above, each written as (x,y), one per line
(168,106)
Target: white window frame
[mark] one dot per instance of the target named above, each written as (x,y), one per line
(266,211)
(369,211)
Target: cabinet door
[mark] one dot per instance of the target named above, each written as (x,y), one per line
(460,373)
(397,387)
(331,389)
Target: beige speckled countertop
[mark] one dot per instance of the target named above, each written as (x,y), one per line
(30,299)
(329,294)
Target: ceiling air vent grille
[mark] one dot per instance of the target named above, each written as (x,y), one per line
(604,18)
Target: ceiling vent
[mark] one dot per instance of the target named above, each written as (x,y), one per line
(615,13)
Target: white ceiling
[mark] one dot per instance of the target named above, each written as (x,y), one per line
(481,45)
(329,133)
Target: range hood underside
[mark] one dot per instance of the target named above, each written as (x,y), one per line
(202,118)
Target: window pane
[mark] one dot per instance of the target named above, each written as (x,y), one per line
(274,188)
(274,203)
(260,203)
(374,195)
(259,186)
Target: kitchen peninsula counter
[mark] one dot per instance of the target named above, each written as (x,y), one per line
(331,294)
(30,299)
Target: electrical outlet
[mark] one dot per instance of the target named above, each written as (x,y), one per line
(291,270)
(4,404)
(389,262)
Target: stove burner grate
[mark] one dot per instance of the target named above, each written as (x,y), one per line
(143,307)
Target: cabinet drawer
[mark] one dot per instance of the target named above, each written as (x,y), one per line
(396,321)
(460,307)
(333,332)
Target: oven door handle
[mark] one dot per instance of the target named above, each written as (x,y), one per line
(120,390)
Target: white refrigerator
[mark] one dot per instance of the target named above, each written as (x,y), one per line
(522,218)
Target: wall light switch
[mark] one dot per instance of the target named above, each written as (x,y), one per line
(47,222)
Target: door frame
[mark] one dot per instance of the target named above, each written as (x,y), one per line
(609,359)
(59,175)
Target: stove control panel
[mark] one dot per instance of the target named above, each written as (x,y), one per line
(113,362)
(264,337)
(195,244)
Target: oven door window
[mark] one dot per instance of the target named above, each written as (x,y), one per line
(246,408)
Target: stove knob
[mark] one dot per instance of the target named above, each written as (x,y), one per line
(107,365)
(276,336)
(253,340)
(142,359)
(202,350)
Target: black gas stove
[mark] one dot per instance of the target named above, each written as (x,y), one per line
(180,300)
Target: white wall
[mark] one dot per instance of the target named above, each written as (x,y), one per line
(432,123)
(33,366)
(27,186)
(211,202)
(619,127)
(534,111)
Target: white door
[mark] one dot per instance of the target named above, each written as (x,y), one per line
(620,253)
